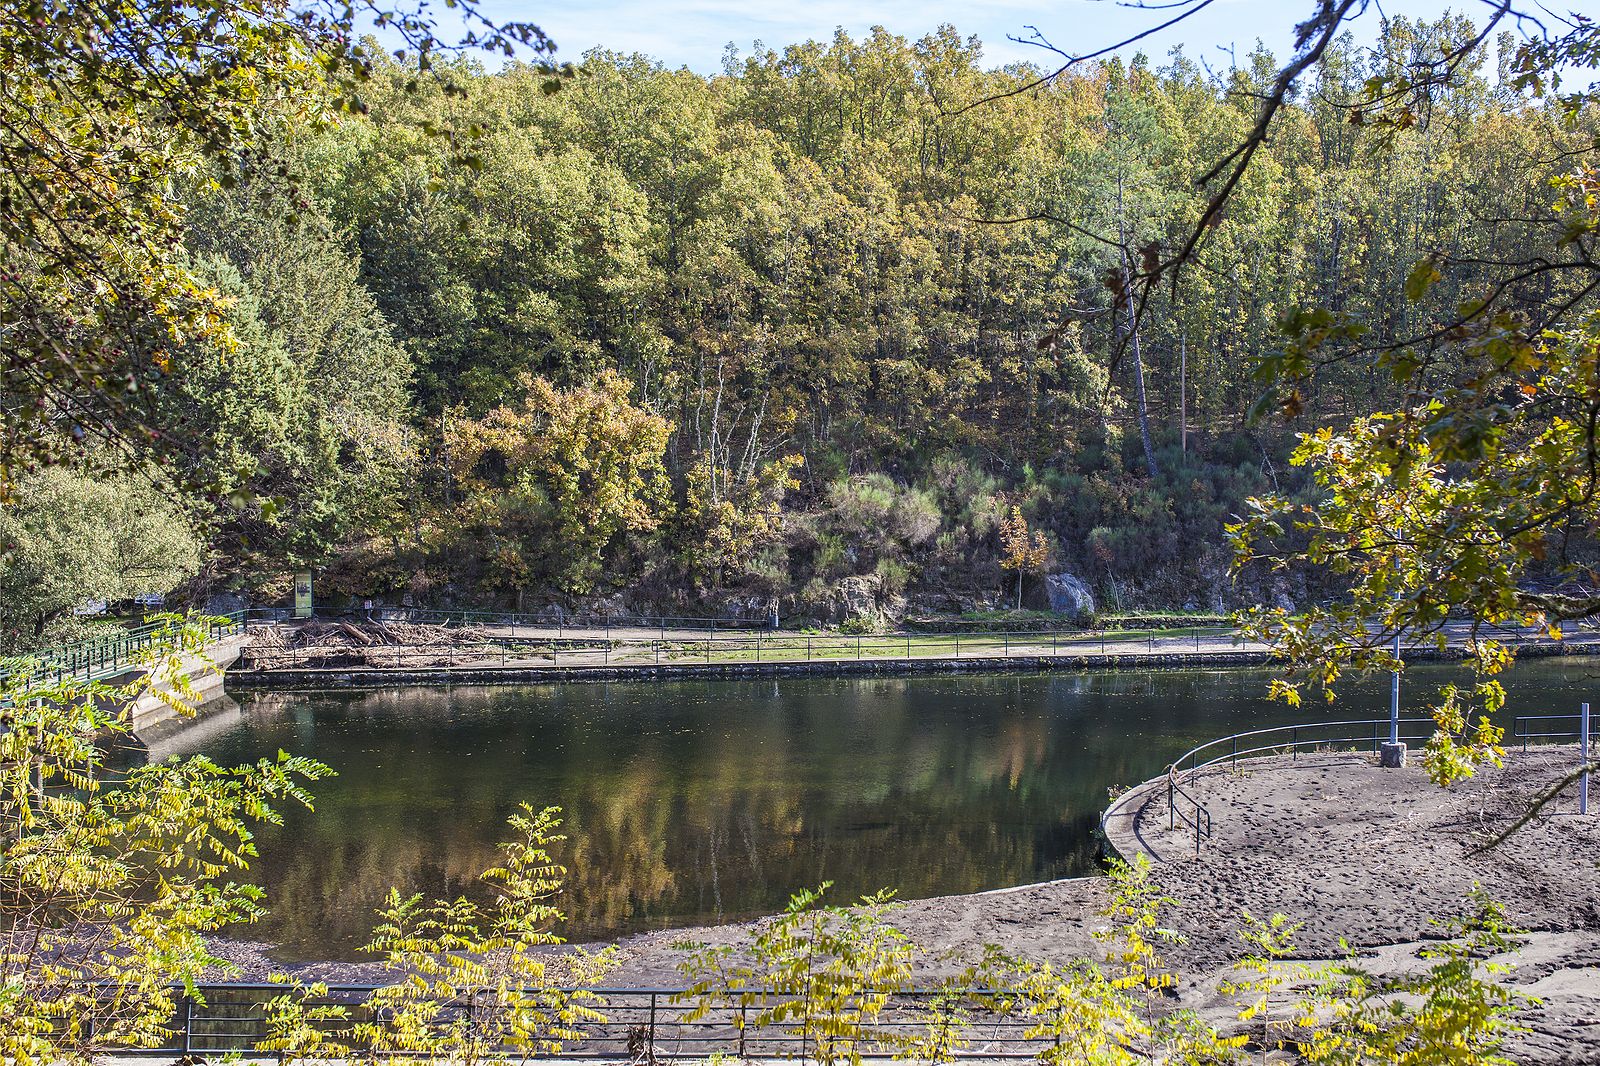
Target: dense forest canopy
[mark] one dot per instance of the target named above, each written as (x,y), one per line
(802,334)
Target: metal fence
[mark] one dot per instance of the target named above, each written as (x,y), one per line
(105,656)
(1365,734)
(643,1024)
(561,622)
(531,642)
(1561,728)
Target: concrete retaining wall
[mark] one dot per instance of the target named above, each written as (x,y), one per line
(206,675)
(489,673)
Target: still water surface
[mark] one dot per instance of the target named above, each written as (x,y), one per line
(699,801)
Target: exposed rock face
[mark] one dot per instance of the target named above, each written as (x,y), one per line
(226,603)
(1069,595)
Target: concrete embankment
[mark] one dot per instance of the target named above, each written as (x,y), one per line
(205,674)
(495,674)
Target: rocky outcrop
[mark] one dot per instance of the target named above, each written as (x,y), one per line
(1069,595)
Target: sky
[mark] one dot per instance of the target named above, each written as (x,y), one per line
(693,33)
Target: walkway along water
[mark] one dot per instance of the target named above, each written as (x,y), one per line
(373,656)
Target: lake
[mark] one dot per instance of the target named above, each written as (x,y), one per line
(700,801)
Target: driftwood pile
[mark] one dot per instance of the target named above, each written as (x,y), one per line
(324,644)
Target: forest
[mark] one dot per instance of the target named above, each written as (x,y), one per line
(847,331)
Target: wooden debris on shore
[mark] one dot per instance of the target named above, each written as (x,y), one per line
(321,643)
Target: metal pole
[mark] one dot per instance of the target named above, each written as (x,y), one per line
(1394,696)
(1394,682)
(1583,753)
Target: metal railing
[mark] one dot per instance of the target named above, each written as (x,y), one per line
(1184,806)
(562,621)
(1541,727)
(105,656)
(637,1024)
(520,649)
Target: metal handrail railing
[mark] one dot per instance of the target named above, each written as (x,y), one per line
(1521,731)
(542,644)
(637,1024)
(439,616)
(106,656)
(1178,774)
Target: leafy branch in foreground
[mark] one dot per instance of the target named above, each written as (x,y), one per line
(472,983)
(1454,1011)
(822,973)
(1117,1011)
(109,884)
(1470,501)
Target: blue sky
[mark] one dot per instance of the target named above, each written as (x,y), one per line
(693,33)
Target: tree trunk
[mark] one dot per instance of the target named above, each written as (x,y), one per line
(1130,333)
(1183,393)
(1138,383)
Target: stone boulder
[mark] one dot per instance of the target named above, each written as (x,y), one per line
(1069,595)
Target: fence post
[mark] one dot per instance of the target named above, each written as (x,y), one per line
(1583,754)
(650,1039)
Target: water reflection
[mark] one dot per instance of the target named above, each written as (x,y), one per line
(698,801)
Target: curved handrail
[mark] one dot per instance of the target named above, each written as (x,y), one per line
(1178,774)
